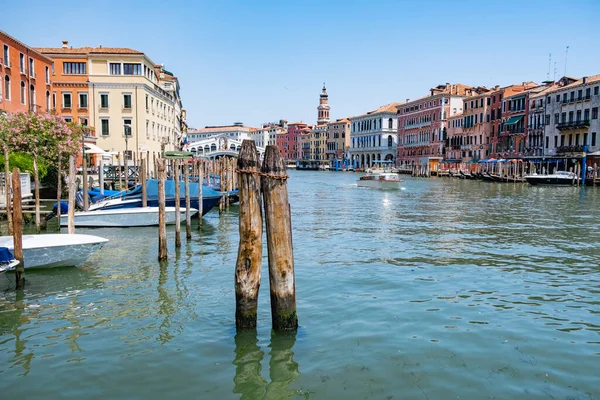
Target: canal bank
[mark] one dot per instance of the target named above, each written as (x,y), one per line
(446,288)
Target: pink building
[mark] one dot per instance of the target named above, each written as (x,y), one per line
(288,141)
(422,125)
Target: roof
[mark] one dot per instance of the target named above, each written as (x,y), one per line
(87,50)
(589,79)
(211,129)
(339,121)
(387,108)
(2,33)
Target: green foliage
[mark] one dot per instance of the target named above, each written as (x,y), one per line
(24,162)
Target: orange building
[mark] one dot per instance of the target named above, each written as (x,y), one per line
(70,83)
(25,73)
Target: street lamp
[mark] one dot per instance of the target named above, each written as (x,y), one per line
(127,130)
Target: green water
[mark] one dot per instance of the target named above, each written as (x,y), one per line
(446,289)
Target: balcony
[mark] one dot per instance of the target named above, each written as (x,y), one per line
(565,126)
(418,125)
(569,149)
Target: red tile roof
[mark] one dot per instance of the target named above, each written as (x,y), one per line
(86,50)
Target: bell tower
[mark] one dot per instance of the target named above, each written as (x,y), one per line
(323,107)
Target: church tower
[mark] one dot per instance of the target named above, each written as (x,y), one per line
(323,107)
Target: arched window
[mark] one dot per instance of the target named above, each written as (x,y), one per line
(390,141)
(390,123)
(32,95)
(22,92)
(7,87)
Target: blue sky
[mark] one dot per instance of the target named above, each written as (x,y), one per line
(255,62)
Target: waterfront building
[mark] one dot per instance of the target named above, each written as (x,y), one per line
(422,128)
(572,116)
(25,77)
(476,125)
(267,134)
(338,141)
(304,144)
(498,141)
(288,141)
(133,103)
(373,136)
(318,143)
(455,146)
(538,118)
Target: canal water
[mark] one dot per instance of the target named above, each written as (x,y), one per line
(444,289)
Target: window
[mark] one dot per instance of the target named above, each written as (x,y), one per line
(563,117)
(547,122)
(586,115)
(596,90)
(115,69)
(7,87)
(557,100)
(22,63)
(7,58)
(66,99)
(47,75)
(562,140)
(547,141)
(74,68)
(147,103)
(22,92)
(578,115)
(548,100)
(47,100)
(127,101)
(31,68)
(593,138)
(588,93)
(127,127)
(68,119)
(83,121)
(595,113)
(147,127)
(103,100)
(390,123)
(132,69)
(83,100)
(555,141)
(556,118)
(488,101)
(104,126)
(580,94)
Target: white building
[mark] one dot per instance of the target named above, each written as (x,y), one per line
(267,134)
(236,131)
(374,136)
(571,117)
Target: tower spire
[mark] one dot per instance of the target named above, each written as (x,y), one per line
(323,109)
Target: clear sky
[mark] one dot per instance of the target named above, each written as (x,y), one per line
(260,61)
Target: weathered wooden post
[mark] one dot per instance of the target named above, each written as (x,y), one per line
(7,179)
(188,215)
(58,190)
(162,221)
(177,204)
(18,227)
(247,268)
(200,181)
(72,191)
(279,241)
(143,172)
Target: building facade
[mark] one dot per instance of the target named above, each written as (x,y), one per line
(423,124)
(573,125)
(455,147)
(373,136)
(476,126)
(338,140)
(288,141)
(26,83)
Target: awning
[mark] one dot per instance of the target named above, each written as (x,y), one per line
(93,149)
(514,120)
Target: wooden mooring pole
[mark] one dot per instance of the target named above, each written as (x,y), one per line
(247,268)
(188,214)
(18,228)
(144,172)
(200,181)
(279,241)
(7,192)
(162,221)
(72,192)
(177,170)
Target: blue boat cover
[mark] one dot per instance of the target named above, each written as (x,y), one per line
(64,207)
(152,189)
(5,255)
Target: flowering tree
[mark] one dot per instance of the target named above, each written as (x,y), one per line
(43,136)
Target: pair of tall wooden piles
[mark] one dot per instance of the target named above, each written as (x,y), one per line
(270,181)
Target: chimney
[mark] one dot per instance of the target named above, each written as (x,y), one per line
(407,100)
(585,79)
(100,46)
(65,44)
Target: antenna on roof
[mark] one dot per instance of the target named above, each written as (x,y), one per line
(555,71)
(549,66)
(566,58)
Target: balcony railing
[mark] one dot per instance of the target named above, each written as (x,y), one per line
(584,123)
(569,149)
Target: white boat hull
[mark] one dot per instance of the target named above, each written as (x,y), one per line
(123,217)
(55,250)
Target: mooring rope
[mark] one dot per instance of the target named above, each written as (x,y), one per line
(247,171)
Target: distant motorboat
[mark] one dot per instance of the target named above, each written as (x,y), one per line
(124,217)
(55,250)
(564,178)
(381,180)
(290,166)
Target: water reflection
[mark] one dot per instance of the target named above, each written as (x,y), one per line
(283,370)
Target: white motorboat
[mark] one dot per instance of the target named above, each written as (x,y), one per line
(557,178)
(55,250)
(114,202)
(381,180)
(123,217)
